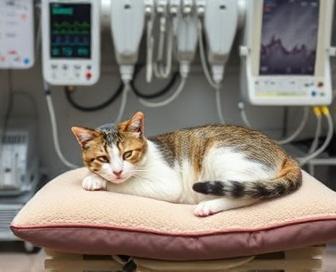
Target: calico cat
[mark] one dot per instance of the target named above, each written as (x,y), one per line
(217,167)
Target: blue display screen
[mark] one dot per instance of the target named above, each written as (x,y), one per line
(289,37)
(70,30)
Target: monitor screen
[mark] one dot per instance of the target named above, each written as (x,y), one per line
(289,37)
(70,31)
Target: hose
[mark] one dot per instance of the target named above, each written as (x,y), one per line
(73,103)
(202,55)
(150,48)
(219,106)
(167,101)
(298,130)
(290,138)
(162,70)
(327,140)
(54,128)
(123,103)
(206,71)
(53,121)
(241,107)
(157,94)
(317,135)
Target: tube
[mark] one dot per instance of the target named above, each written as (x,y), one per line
(166,101)
(54,128)
(327,141)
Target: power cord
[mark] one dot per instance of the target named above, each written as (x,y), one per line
(123,102)
(326,113)
(206,70)
(54,128)
(175,77)
(298,130)
(318,115)
(163,68)
(290,138)
(69,96)
(167,101)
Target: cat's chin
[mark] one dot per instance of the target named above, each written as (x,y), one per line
(118,181)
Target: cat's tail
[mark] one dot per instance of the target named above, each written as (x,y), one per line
(288,180)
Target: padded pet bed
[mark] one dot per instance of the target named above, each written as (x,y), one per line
(64,217)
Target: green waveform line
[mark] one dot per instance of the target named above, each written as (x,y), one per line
(73,32)
(76,24)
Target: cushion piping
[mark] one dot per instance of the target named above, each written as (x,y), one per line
(179,234)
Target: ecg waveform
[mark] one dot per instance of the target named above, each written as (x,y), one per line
(66,28)
(277,58)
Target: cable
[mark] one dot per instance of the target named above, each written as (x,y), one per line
(318,130)
(298,130)
(162,70)
(150,49)
(159,56)
(68,95)
(123,103)
(53,122)
(166,101)
(219,106)
(327,141)
(206,71)
(290,138)
(157,94)
(241,107)
(202,55)
(165,70)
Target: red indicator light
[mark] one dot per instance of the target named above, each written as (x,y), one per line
(88,75)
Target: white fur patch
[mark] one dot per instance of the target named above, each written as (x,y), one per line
(224,164)
(116,162)
(93,182)
(206,208)
(153,178)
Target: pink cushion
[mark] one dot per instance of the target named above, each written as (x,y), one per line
(62,216)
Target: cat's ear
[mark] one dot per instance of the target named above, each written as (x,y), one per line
(84,135)
(134,125)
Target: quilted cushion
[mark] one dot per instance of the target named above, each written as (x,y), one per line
(62,216)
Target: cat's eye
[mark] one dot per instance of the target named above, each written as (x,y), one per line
(103,159)
(127,154)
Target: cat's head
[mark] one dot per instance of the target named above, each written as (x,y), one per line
(114,154)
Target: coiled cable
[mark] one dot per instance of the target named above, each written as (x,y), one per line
(175,77)
(69,96)
(167,101)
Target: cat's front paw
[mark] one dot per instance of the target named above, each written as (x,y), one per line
(93,183)
(204,209)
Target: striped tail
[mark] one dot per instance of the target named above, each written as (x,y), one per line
(288,181)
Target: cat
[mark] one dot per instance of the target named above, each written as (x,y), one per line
(217,167)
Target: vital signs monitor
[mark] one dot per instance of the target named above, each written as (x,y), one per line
(71,41)
(286,55)
(16,34)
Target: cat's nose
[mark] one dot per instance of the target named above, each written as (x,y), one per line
(117,173)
